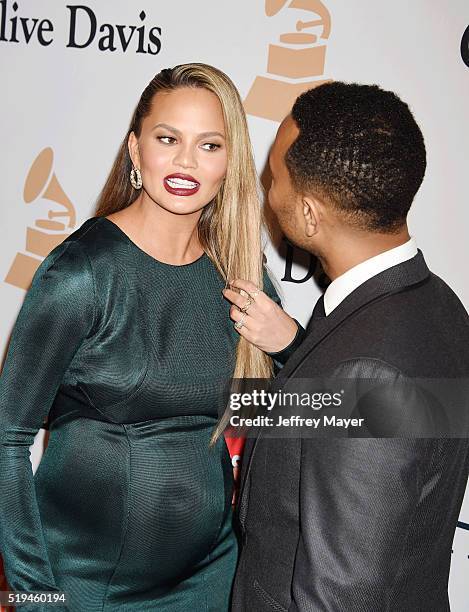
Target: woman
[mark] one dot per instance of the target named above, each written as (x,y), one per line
(124,340)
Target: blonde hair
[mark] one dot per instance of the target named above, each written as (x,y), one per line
(230,226)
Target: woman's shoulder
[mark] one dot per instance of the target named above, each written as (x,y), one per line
(95,235)
(63,286)
(92,245)
(70,267)
(69,256)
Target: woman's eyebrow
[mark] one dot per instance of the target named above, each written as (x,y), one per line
(178,132)
(209,134)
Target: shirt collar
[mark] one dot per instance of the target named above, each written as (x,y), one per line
(344,284)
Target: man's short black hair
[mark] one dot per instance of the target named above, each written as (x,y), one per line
(360,149)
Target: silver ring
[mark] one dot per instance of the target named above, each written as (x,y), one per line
(247,305)
(239,324)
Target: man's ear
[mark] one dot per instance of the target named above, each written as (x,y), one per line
(311,216)
(132,144)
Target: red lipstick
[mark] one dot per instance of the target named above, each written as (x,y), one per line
(181,184)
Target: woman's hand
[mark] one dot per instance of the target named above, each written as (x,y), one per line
(259,319)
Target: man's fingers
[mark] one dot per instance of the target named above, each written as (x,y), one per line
(240,301)
(236,316)
(245,285)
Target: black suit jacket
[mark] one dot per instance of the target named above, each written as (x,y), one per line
(359,525)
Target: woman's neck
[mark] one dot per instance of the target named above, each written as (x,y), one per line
(164,235)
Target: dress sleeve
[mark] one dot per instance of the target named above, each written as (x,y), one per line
(54,320)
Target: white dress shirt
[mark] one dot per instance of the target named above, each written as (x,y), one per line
(344,284)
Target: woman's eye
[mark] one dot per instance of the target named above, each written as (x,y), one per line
(208,146)
(212,145)
(165,139)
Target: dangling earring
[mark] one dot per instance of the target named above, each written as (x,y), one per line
(136,178)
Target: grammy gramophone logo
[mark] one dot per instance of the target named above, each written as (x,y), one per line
(41,183)
(294,65)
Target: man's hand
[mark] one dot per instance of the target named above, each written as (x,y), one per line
(260,320)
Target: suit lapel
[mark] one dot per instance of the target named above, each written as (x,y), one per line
(390,281)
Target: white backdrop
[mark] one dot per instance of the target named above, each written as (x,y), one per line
(78,102)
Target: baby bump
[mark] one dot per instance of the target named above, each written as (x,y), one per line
(180,494)
(142,503)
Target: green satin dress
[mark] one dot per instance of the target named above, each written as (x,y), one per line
(129,509)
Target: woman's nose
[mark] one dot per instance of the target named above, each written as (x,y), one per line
(186,158)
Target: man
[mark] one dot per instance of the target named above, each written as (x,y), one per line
(343,524)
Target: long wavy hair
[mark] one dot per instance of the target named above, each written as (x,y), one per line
(229,227)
